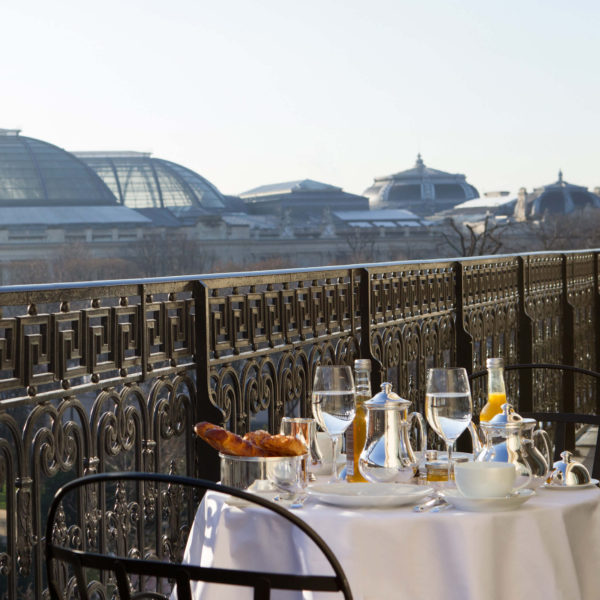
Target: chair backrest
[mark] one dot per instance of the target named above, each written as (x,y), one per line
(106,549)
(550,366)
(569,406)
(562,420)
(564,433)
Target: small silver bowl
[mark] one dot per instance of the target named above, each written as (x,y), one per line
(281,477)
(568,472)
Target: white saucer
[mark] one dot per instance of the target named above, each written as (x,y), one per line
(378,495)
(583,486)
(504,503)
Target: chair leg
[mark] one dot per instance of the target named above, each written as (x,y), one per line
(262,590)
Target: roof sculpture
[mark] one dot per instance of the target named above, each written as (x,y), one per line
(36,173)
(422,190)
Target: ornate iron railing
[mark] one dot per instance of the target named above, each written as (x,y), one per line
(112,375)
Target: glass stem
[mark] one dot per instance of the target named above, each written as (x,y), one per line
(334,442)
(449,447)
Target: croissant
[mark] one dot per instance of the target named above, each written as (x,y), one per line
(257,437)
(227,442)
(283,445)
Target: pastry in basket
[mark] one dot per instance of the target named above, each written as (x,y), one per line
(227,442)
(257,437)
(254,443)
(283,445)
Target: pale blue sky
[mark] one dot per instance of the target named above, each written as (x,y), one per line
(255,92)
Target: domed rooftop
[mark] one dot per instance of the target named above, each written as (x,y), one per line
(36,173)
(422,190)
(140,181)
(559,198)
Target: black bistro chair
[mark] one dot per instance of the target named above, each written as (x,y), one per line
(560,421)
(135,547)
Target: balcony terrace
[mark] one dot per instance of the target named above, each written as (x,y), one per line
(112,375)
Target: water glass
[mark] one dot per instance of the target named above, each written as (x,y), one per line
(448,405)
(305,428)
(333,403)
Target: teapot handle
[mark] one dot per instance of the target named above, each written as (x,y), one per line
(547,447)
(422,430)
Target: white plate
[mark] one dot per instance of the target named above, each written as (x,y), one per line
(368,494)
(487,504)
(583,486)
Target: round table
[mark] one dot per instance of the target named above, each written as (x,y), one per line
(549,548)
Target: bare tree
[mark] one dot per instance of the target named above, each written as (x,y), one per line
(76,262)
(172,254)
(361,243)
(468,239)
(579,229)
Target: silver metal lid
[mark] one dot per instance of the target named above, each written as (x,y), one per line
(386,398)
(362,364)
(507,419)
(568,472)
(494,363)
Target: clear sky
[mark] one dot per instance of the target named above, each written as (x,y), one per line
(250,92)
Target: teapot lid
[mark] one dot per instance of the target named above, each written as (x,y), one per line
(507,419)
(569,472)
(386,398)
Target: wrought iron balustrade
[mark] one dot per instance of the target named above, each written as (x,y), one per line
(111,376)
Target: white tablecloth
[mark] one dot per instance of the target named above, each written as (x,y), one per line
(547,549)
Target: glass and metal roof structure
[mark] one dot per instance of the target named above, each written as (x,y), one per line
(140,181)
(36,173)
(559,198)
(421,189)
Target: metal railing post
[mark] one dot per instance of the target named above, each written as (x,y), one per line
(365,294)
(207,460)
(568,333)
(464,341)
(525,340)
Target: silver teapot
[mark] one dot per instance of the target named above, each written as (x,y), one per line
(511,438)
(388,455)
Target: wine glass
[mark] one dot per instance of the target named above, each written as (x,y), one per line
(333,403)
(448,405)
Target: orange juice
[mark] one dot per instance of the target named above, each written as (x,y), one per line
(493,406)
(356,441)
(356,435)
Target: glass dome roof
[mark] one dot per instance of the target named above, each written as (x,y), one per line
(559,198)
(422,190)
(140,181)
(36,173)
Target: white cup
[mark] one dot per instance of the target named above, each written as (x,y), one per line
(485,479)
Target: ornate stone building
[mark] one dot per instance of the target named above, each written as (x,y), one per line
(148,216)
(558,198)
(422,190)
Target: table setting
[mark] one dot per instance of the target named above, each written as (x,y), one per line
(492,524)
